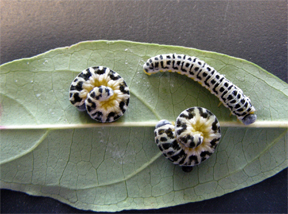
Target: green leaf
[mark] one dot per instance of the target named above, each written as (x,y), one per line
(49,148)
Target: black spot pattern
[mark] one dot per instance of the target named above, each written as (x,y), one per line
(86,74)
(228,93)
(90,94)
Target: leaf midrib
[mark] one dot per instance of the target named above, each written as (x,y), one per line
(257,124)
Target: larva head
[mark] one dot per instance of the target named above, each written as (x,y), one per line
(100,91)
(249,119)
(146,68)
(152,65)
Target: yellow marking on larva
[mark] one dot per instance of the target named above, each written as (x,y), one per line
(147,73)
(199,82)
(220,103)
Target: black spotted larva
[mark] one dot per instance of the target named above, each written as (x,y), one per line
(103,93)
(192,140)
(228,93)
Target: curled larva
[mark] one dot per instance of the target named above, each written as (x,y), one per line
(192,140)
(103,93)
(229,94)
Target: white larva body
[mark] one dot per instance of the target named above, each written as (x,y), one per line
(192,140)
(101,92)
(229,94)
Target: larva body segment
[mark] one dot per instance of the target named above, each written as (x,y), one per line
(103,93)
(192,140)
(229,94)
